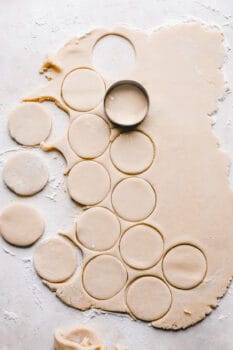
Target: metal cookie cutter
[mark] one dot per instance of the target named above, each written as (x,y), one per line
(119,119)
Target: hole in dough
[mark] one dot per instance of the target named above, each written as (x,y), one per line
(98,229)
(21,224)
(132,152)
(55,259)
(141,246)
(133,199)
(104,276)
(113,56)
(88,183)
(89,135)
(29,124)
(184,266)
(77,339)
(25,173)
(126,105)
(83,89)
(148,298)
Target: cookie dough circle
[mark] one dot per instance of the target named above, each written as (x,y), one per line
(133,199)
(83,89)
(141,246)
(21,225)
(98,229)
(25,173)
(29,124)
(132,152)
(184,266)
(148,298)
(104,276)
(55,259)
(89,136)
(88,183)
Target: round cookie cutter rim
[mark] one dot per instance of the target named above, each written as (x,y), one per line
(133,83)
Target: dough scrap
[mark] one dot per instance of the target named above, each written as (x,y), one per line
(29,124)
(25,173)
(55,259)
(132,152)
(88,183)
(21,224)
(180,67)
(98,229)
(77,339)
(141,246)
(89,136)
(104,276)
(133,199)
(83,89)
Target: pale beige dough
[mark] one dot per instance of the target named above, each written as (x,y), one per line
(55,259)
(126,105)
(184,266)
(88,182)
(25,173)
(98,229)
(29,124)
(148,298)
(83,89)
(184,193)
(77,339)
(132,152)
(141,246)
(21,224)
(104,276)
(133,199)
(89,136)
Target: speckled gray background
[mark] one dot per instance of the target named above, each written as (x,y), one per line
(29,29)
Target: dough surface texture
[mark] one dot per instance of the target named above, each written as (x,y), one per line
(25,173)
(165,182)
(29,124)
(21,224)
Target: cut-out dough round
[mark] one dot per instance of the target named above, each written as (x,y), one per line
(29,124)
(77,339)
(25,173)
(83,89)
(133,199)
(21,224)
(98,229)
(55,259)
(184,266)
(126,105)
(148,298)
(89,135)
(141,246)
(132,152)
(104,276)
(88,183)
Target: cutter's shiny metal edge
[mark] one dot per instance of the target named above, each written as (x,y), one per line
(127,82)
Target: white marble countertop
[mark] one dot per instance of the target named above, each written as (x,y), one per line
(29,312)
